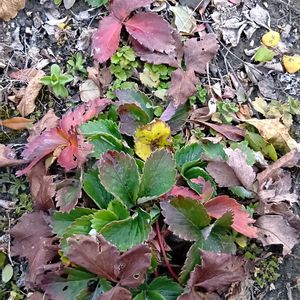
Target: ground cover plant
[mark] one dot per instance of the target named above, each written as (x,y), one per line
(143,169)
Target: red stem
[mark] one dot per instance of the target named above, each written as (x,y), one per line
(162,248)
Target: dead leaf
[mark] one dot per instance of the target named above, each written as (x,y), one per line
(204,113)
(260,16)
(199,53)
(24,75)
(184,19)
(274,132)
(89,91)
(7,157)
(33,240)
(116,293)
(274,230)
(42,188)
(16,123)
(10,8)
(238,163)
(183,86)
(232,133)
(27,104)
(218,270)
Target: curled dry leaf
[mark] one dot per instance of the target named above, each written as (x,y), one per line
(274,229)
(27,104)
(16,123)
(89,91)
(10,8)
(7,157)
(218,270)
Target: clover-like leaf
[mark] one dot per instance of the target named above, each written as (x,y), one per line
(119,175)
(159,176)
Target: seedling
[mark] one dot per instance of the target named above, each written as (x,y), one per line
(57,81)
(200,96)
(76,64)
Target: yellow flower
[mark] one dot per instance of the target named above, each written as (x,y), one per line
(152,136)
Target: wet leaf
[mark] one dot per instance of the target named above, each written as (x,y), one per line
(10,8)
(155,135)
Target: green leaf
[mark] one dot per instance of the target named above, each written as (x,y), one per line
(55,70)
(130,232)
(264,54)
(185,217)
(103,143)
(95,190)
(214,151)
(159,176)
(46,80)
(241,192)
(189,153)
(71,287)
(7,273)
(243,146)
(119,209)
(119,175)
(166,287)
(60,91)
(65,78)
(2,259)
(60,221)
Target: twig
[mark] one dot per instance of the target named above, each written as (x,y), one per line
(9,238)
(289,6)
(162,248)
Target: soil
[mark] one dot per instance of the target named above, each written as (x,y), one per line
(20,48)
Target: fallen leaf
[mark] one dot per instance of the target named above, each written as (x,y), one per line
(291,63)
(183,86)
(199,53)
(116,293)
(7,157)
(27,104)
(204,113)
(10,8)
(274,230)
(271,39)
(264,54)
(16,123)
(24,75)
(237,161)
(42,188)
(155,135)
(232,133)
(217,270)
(274,132)
(89,91)
(33,240)
(184,19)
(260,16)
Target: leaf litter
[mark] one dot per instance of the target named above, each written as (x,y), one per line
(156,184)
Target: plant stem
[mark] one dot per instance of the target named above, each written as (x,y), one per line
(162,248)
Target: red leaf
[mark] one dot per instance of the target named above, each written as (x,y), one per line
(152,31)
(232,133)
(106,38)
(184,192)
(183,86)
(218,270)
(122,8)
(218,206)
(199,53)
(172,59)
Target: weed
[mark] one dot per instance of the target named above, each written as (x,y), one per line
(76,64)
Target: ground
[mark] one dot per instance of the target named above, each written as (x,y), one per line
(24,43)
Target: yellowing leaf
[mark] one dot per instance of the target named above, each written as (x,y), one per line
(271,39)
(291,63)
(274,132)
(155,135)
(264,54)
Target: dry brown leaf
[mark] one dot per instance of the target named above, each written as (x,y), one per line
(24,75)
(16,123)
(27,104)
(10,8)
(274,132)
(7,157)
(274,230)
